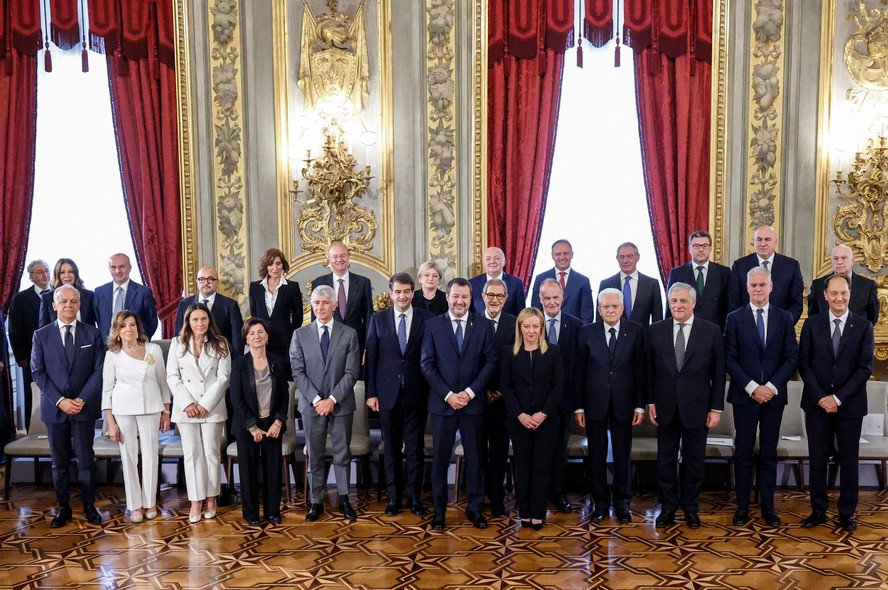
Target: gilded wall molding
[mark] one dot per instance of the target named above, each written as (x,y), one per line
(479,133)
(188,202)
(226,91)
(718,130)
(765,123)
(441,135)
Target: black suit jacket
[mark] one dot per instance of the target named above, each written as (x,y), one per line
(747,360)
(600,381)
(700,384)
(358,303)
(712,304)
(87,311)
(226,314)
(286,316)
(503,336)
(24,317)
(648,306)
(385,367)
(242,389)
(843,375)
(531,382)
(514,302)
(785,275)
(864,297)
(568,342)
(447,369)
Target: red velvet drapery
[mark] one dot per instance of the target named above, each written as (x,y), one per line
(526,46)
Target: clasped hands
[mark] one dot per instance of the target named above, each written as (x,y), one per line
(712,417)
(459,400)
(532,422)
(193,411)
(762,394)
(72,407)
(325,407)
(829,405)
(273,431)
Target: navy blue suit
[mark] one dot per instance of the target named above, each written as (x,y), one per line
(568,343)
(844,376)
(139,300)
(226,314)
(87,312)
(495,416)
(82,378)
(864,297)
(447,369)
(608,390)
(358,303)
(785,275)
(712,303)
(396,379)
(514,302)
(648,306)
(748,361)
(577,301)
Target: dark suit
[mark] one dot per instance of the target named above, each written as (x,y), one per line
(396,379)
(568,343)
(608,391)
(532,382)
(245,414)
(436,306)
(864,297)
(82,378)
(24,317)
(577,301)
(285,318)
(648,305)
(785,275)
(358,303)
(226,314)
(87,312)
(7,425)
(447,370)
(749,364)
(514,286)
(843,376)
(683,398)
(495,417)
(139,300)
(712,303)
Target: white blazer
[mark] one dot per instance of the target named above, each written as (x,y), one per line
(132,387)
(200,381)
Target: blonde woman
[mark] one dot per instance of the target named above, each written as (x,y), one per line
(136,401)
(429,296)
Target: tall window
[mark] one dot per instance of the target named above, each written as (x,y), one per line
(596,192)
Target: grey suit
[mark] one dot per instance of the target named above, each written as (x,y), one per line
(335,378)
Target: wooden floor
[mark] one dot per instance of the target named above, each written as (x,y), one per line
(402,552)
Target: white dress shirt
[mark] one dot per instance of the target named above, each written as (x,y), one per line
(271,296)
(465,323)
(633,284)
(751,386)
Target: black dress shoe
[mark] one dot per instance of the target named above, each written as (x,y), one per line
(847,523)
(92,515)
(692,519)
(418,508)
(526,523)
(770,517)
(562,504)
(536,526)
(817,517)
(393,507)
(314,512)
(62,517)
(665,518)
(597,515)
(741,517)
(346,509)
(274,519)
(477,519)
(253,522)
(438,521)
(624,516)
(497,509)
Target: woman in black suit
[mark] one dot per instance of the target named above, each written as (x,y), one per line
(429,296)
(531,380)
(67,273)
(259,401)
(277,300)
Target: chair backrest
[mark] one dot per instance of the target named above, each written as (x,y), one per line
(38,428)
(877,401)
(361,423)
(291,407)
(164,346)
(793,423)
(725,426)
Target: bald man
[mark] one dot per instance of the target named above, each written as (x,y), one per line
(864,295)
(225,310)
(494,263)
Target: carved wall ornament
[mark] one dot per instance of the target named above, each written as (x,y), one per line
(866,56)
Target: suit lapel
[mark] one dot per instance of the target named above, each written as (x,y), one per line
(335,337)
(251,377)
(413,339)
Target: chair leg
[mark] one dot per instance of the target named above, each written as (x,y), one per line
(882,475)
(229,465)
(38,478)
(380,479)
(7,485)
(285,465)
(801,478)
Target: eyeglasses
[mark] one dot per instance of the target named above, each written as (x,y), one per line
(701,246)
(495,295)
(207,279)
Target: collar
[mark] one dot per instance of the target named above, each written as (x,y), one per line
(124,285)
(453,318)
(501,277)
(264,283)
(770,260)
(608,327)
(843,317)
(408,313)
(39,291)
(547,317)
(336,278)
(496,319)
(328,324)
(210,300)
(765,307)
(623,276)
(63,324)
(705,266)
(566,272)
(687,323)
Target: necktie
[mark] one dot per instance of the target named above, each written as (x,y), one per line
(325,342)
(766,264)
(837,336)
(627,297)
(760,325)
(205,302)
(700,282)
(69,345)
(44,292)
(680,347)
(402,332)
(612,343)
(118,300)
(340,299)
(459,335)
(495,326)
(561,279)
(553,335)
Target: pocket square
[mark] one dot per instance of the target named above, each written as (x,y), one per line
(86,346)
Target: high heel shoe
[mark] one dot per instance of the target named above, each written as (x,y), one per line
(536,525)
(525,523)
(152,513)
(194,518)
(136,515)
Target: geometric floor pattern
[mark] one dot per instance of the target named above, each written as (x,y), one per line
(401,552)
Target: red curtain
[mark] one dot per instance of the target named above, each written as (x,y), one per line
(526,46)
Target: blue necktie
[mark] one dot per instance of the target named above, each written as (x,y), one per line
(627,297)
(612,344)
(69,345)
(837,336)
(760,325)
(325,342)
(402,333)
(459,335)
(553,335)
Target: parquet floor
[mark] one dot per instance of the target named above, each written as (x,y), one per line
(401,552)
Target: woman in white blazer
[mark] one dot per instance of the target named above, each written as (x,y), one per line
(198,368)
(136,401)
